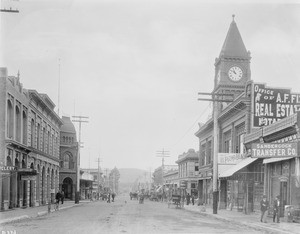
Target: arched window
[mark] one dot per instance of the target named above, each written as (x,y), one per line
(68,161)
(38,134)
(18,124)
(44,139)
(24,128)
(48,143)
(8,161)
(10,120)
(32,127)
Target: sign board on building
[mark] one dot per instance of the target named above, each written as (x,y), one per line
(8,168)
(273,104)
(273,150)
(229,158)
(28,177)
(183,184)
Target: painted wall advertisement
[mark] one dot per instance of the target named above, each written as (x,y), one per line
(273,104)
(273,150)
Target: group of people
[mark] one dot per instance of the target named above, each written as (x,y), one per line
(59,197)
(264,207)
(190,198)
(112,196)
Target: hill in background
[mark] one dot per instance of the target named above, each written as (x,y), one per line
(130,176)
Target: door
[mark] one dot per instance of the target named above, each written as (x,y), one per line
(283,197)
(67,188)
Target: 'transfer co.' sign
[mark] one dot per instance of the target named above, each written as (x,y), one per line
(273,150)
(273,104)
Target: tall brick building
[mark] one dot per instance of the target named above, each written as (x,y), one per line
(29,145)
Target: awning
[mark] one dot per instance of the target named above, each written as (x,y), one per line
(233,169)
(271,160)
(223,168)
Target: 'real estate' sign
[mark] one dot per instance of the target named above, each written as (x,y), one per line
(273,150)
(273,104)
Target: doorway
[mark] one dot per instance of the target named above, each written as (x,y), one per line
(283,196)
(67,187)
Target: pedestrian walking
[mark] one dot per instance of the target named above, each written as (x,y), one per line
(108,198)
(193,199)
(57,199)
(62,196)
(113,195)
(188,199)
(264,206)
(276,209)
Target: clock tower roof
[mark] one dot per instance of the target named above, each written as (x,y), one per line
(233,46)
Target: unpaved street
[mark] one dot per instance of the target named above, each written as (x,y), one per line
(125,216)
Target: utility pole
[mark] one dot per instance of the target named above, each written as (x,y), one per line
(80,120)
(216,97)
(162,154)
(98,160)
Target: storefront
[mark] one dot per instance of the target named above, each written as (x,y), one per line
(278,146)
(241,185)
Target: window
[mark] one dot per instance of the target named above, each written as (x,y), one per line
(227,142)
(38,136)
(66,161)
(18,124)
(44,139)
(48,143)
(202,154)
(24,128)
(32,127)
(208,154)
(10,121)
(239,142)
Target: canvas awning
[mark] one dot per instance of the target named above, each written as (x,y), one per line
(271,160)
(234,168)
(223,168)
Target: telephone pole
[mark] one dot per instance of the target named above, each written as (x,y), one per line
(162,154)
(216,97)
(98,160)
(80,120)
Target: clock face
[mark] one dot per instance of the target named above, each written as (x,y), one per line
(235,73)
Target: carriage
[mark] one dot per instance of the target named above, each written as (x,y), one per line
(133,195)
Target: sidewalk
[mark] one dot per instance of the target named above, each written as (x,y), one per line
(250,220)
(32,212)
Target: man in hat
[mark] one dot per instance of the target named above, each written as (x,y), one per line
(276,207)
(264,206)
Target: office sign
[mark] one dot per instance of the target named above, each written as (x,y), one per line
(273,150)
(273,104)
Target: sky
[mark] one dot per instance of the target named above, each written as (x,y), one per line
(135,67)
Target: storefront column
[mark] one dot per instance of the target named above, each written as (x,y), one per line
(5,190)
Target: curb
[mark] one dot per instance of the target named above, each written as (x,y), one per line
(251,225)
(38,214)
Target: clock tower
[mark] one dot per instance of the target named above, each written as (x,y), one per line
(232,67)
